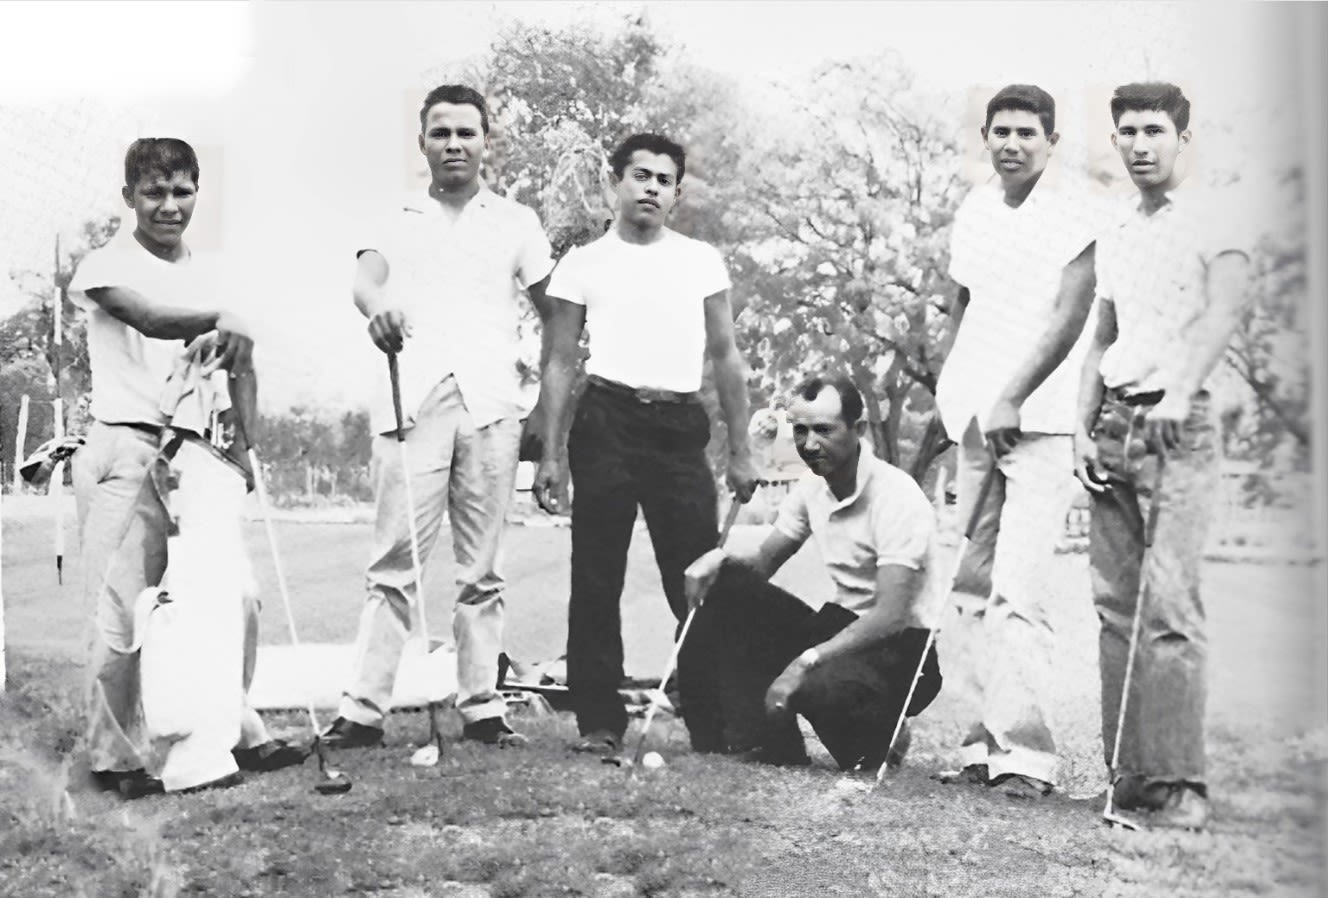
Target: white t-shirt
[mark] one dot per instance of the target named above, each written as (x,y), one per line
(1011,260)
(461,284)
(129,370)
(1154,269)
(887,520)
(645,306)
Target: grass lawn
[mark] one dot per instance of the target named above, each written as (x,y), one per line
(542,821)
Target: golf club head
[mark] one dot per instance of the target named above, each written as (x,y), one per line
(332,782)
(1113,817)
(616,761)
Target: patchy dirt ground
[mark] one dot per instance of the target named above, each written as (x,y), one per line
(541,821)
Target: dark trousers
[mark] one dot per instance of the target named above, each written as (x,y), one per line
(748,631)
(626,453)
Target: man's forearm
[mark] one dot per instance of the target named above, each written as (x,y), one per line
(1073,303)
(370,276)
(898,590)
(152,319)
(1090,389)
(555,397)
(733,402)
(1207,338)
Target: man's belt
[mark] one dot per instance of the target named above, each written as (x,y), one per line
(645,395)
(1125,397)
(152,430)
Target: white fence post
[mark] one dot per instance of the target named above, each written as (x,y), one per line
(20,437)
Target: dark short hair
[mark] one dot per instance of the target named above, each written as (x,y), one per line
(850,400)
(651,143)
(159,155)
(1151,96)
(1026,98)
(457,95)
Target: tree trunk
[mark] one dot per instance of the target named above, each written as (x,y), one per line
(933,444)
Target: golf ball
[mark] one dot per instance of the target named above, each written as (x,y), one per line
(425,757)
(653,760)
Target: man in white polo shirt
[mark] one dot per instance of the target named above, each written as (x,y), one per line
(656,304)
(757,655)
(1173,285)
(1022,253)
(442,283)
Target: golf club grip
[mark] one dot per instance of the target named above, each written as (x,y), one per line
(734,507)
(394,375)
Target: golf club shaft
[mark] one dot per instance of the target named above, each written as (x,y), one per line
(394,375)
(1150,528)
(984,490)
(265,511)
(734,507)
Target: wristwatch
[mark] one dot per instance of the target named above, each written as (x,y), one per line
(810,658)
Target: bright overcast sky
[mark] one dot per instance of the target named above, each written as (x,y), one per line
(301,110)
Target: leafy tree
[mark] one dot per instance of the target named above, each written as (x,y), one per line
(27,346)
(1270,355)
(845,240)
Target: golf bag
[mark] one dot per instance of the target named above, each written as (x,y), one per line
(191,628)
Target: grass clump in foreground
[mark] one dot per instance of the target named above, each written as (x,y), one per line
(543,821)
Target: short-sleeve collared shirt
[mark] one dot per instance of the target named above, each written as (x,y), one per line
(129,370)
(1154,269)
(1011,259)
(460,283)
(887,520)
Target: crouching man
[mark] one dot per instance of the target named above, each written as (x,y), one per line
(758,656)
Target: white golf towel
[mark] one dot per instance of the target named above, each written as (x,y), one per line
(191,629)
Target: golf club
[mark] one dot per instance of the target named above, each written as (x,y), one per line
(431,752)
(984,490)
(330,781)
(734,507)
(1110,815)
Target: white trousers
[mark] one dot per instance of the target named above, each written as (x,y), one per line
(469,473)
(1004,582)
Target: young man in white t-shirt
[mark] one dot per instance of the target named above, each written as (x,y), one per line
(1022,253)
(757,655)
(1173,285)
(146,296)
(656,305)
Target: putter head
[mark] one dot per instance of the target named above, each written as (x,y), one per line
(332,782)
(1113,817)
(616,760)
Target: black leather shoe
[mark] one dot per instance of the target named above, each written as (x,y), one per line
(493,731)
(225,782)
(273,754)
(345,733)
(130,784)
(1186,807)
